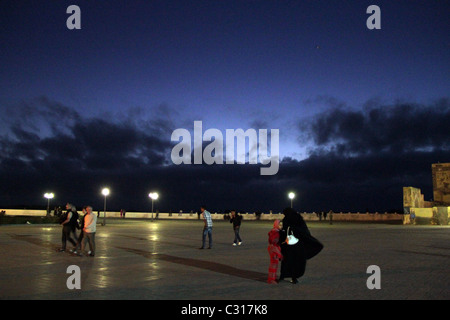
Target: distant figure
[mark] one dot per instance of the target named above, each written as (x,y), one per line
(58,212)
(207,229)
(89,229)
(412,217)
(295,256)
(236,220)
(274,251)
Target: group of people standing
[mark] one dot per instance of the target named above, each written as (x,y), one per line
(87,224)
(293,256)
(207,228)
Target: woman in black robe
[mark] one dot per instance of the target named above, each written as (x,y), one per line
(295,256)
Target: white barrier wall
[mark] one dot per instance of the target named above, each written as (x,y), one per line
(220,216)
(25,212)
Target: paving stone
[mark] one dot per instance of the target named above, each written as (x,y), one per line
(160,260)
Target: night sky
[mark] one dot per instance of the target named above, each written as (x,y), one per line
(361,113)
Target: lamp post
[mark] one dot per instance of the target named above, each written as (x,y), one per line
(105,192)
(291,196)
(49,196)
(153,196)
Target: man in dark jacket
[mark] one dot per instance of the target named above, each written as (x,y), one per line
(236,221)
(69,225)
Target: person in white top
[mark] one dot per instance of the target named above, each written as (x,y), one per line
(90,227)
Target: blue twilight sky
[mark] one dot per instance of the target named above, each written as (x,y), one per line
(144,68)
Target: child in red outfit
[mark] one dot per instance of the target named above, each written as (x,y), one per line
(274,251)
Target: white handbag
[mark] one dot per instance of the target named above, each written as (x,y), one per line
(290,238)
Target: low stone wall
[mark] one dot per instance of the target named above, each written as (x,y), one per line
(360,217)
(426,216)
(25,212)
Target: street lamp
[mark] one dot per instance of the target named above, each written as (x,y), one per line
(291,196)
(105,192)
(153,196)
(49,196)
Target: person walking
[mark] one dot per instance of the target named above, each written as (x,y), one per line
(69,223)
(89,230)
(236,220)
(207,228)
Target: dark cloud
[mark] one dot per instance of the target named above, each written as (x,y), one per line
(50,146)
(396,128)
(361,159)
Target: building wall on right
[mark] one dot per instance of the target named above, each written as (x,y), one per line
(441,183)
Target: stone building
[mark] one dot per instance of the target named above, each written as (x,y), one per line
(418,211)
(441,183)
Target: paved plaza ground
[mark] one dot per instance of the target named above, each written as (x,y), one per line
(161,260)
